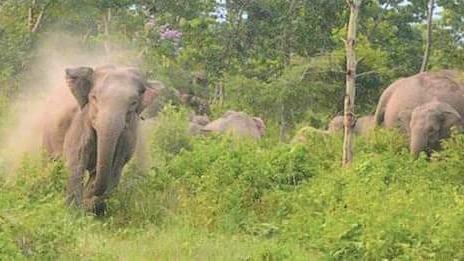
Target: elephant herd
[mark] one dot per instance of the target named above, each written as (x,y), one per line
(426,107)
(94,125)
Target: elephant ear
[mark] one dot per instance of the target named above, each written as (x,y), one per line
(79,81)
(152,90)
(260,125)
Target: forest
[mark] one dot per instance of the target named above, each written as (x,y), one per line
(285,193)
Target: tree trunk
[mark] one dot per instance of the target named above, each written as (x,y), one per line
(32,25)
(428,40)
(351,63)
(37,22)
(30,17)
(107,20)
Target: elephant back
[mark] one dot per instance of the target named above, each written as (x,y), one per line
(406,94)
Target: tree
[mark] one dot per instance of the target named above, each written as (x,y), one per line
(428,43)
(350,120)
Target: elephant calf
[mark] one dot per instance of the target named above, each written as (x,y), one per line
(430,123)
(196,124)
(363,125)
(93,125)
(237,123)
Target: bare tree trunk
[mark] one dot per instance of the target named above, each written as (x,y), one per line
(107,20)
(37,22)
(428,44)
(32,25)
(30,16)
(284,43)
(351,63)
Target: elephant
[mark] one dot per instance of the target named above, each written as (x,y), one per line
(399,99)
(336,124)
(363,125)
(166,95)
(237,123)
(418,95)
(94,126)
(171,95)
(302,134)
(196,124)
(430,123)
(199,105)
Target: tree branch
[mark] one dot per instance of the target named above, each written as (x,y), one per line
(365,73)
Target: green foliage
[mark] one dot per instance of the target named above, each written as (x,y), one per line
(294,199)
(221,198)
(170,135)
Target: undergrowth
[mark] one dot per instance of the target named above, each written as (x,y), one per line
(219,198)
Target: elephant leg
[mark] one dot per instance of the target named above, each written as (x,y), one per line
(75,187)
(92,203)
(115,177)
(89,183)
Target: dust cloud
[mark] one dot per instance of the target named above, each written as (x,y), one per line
(54,53)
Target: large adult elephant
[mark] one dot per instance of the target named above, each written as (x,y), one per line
(400,99)
(93,125)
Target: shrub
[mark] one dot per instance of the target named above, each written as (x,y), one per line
(169,135)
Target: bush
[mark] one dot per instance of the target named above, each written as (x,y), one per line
(300,192)
(288,201)
(169,135)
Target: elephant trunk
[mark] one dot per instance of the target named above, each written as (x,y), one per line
(109,130)
(418,144)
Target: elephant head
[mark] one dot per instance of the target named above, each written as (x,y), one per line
(430,123)
(336,124)
(110,100)
(260,125)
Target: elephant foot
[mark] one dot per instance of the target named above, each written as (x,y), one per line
(74,199)
(96,205)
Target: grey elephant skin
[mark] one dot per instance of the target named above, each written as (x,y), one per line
(93,126)
(398,102)
(363,125)
(237,123)
(430,123)
(199,105)
(167,95)
(197,123)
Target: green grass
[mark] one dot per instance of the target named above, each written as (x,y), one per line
(219,198)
